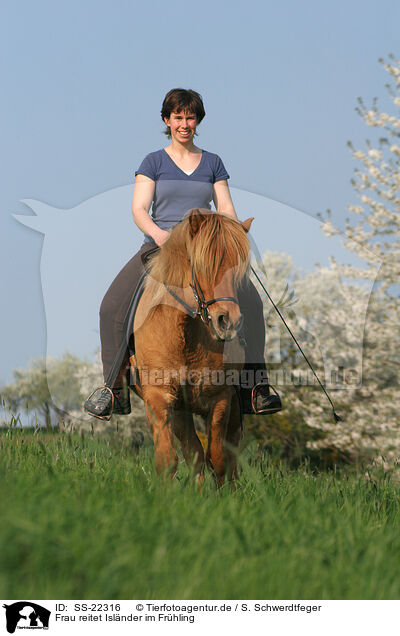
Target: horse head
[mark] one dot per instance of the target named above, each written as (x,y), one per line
(219,253)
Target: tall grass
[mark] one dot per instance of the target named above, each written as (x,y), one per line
(85,518)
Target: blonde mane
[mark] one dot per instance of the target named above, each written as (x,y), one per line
(207,240)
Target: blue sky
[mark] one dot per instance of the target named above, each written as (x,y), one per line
(82,86)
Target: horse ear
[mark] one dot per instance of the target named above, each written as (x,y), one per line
(196,218)
(247,223)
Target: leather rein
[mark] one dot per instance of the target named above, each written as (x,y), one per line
(202,304)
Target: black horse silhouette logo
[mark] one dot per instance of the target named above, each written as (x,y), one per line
(30,614)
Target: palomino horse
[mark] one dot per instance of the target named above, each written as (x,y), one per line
(186,319)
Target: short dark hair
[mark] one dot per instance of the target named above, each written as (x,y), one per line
(180,99)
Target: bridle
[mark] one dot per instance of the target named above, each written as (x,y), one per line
(202,304)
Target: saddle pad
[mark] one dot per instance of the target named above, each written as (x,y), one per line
(137,294)
(130,339)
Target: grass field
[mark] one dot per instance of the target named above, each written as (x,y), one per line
(84,518)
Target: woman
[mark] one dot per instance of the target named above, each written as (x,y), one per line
(173,180)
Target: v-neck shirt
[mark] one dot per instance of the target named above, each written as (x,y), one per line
(181,169)
(177,192)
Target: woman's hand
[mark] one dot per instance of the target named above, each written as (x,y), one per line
(159,236)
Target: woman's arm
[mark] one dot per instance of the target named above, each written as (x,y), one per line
(222,199)
(143,194)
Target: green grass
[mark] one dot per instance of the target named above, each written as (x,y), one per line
(83,518)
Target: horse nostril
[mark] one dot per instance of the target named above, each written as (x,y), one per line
(223,322)
(240,323)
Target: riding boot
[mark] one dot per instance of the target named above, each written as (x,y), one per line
(255,395)
(107,401)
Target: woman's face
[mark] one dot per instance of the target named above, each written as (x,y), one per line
(182,126)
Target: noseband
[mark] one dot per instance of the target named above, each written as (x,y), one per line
(202,304)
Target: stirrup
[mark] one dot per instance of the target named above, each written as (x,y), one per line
(102,417)
(265,411)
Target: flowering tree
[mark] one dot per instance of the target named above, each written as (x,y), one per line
(371,426)
(348,347)
(71,380)
(30,393)
(375,237)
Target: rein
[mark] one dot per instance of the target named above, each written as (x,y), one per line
(202,304)
(336,417)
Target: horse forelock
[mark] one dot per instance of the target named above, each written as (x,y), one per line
(220,244)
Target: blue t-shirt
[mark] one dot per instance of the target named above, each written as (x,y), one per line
(177,192)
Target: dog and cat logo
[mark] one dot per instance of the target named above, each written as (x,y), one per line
(77,270)
(26,615)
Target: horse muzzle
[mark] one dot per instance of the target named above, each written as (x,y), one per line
(225,325)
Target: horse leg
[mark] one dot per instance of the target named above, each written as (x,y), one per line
(217,424)
(233,437)
(183,427)
(158,416)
